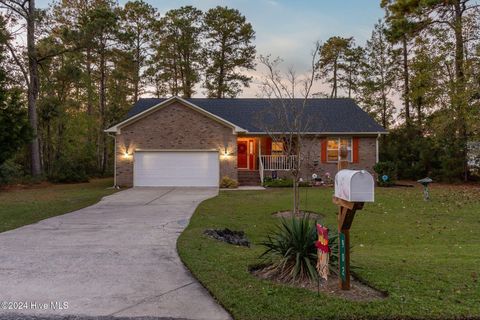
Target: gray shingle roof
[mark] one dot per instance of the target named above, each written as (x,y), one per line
(324,115)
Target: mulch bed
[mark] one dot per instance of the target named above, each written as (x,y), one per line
(237,238)
(359,291)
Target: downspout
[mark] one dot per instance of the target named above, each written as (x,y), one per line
(377,148)
(114,160)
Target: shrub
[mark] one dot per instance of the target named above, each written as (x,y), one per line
(387,168)
(10,171)
(278,183)
(68,171)
(282,183)
(291,250)
(228,183)
(15,130)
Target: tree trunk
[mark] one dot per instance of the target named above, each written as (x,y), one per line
(350,81)
(187,87)
(384,110)
(295,206)
(419,112)
(47,160)
(35,165)
(89,83)
(221,75)
(296,187)
(461,104)
(103,164)
(406,92)
(136,81)
(334,92)
(176,72)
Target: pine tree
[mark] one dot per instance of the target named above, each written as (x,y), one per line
(410,17)
(229,49)
(379,76)
(333,55)
(178,57)
(425,88)
(16,130)
(26,11)
(349,81)
(137,18)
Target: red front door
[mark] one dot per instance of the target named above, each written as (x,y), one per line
(242,154)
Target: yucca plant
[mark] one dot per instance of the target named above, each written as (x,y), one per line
(291,252)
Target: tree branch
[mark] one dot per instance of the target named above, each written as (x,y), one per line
(51,55)
(19,63)
(21,10)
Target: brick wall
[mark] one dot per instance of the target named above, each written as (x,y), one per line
(366,157)
(311,154)
(174,127)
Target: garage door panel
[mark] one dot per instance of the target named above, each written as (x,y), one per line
(172,168)
(173,173)
(176,159)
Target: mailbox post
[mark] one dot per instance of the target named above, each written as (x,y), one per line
(352,189)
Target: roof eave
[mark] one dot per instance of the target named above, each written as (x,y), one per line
(323,133)
(111,129)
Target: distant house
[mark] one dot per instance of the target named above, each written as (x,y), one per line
(195,142)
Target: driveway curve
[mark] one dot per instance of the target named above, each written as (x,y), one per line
(117,258)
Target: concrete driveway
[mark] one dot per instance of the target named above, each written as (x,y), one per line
(115,258)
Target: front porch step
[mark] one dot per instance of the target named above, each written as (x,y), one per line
(249,178)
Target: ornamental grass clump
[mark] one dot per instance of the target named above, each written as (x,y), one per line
(291,255)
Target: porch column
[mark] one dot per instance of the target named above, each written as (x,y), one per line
(260,163)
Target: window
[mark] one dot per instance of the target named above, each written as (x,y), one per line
(277,147)
(333,149)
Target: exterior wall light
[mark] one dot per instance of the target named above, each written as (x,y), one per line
(126,153)
(223,150)
(225,155)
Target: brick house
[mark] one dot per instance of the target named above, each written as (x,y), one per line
(195,142)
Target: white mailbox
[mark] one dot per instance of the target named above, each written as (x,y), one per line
(354,186)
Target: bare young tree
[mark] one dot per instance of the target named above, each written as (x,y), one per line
(286,121)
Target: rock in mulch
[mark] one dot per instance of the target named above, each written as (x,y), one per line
(237,238)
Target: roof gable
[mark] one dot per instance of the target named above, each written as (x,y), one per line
(161,103)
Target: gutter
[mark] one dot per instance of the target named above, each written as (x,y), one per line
(376,133)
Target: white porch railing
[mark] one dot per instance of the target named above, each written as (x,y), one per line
(277,162)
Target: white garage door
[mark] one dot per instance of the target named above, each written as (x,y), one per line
(176,169)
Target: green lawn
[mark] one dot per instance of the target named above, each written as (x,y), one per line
(426,255)
(19,207)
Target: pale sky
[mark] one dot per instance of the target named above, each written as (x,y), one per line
(289,28)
